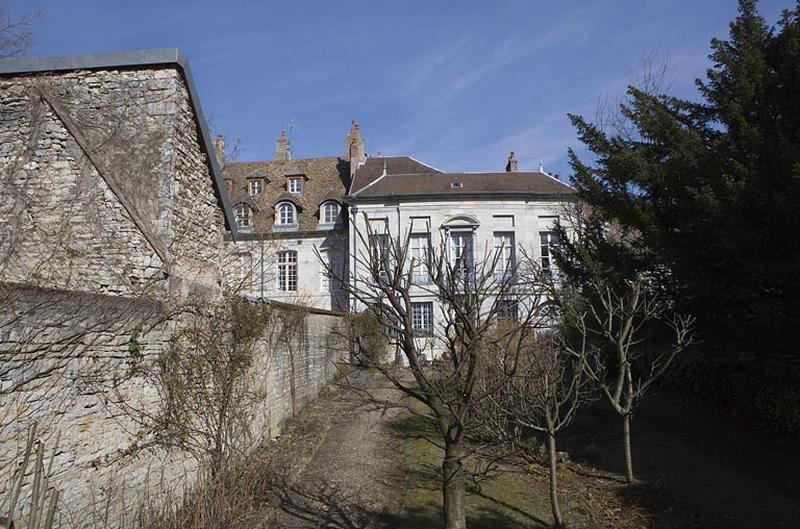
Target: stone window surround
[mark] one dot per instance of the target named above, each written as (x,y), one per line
(422,318)
(255,186)
(330,212)
(243,214)
(287,271)
(286,214)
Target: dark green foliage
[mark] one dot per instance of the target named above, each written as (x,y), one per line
(706,195)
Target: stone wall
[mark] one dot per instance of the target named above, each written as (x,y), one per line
(105,186)
(72,371)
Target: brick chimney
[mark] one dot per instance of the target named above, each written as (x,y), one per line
(283,149)
(513,164)
(354,148)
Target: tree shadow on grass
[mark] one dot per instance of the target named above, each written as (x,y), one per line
(325,505)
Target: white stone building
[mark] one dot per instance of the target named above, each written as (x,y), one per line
(292,217)
(292,213)
(472,216)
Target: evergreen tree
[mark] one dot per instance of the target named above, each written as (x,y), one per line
(706,195)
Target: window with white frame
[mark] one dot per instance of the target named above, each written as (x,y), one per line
(243,214)
(330,213)
(504,254)
(255,186)
(332,268)
(422,318)
(295,185)
(287,271)
(379,252)
(420,246)
(461,251)
(287,214)
(548,240)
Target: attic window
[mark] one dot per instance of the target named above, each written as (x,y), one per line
(243,215)
(295,186)
(456,185)
(255,186)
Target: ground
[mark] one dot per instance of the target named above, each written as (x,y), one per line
(344,465)
(337,465)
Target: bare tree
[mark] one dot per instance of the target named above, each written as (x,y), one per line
(629,356)
(15,31)
(469,300)
(547,389)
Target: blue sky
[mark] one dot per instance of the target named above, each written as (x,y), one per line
(455,84)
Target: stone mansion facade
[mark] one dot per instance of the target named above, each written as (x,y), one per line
(295,215)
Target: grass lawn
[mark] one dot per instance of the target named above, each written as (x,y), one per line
(515,498)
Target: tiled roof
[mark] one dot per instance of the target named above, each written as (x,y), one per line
(402,176)
(373,168)
(324,178)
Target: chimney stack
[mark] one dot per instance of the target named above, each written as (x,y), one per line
(513,164)
(283,150)
(219,149)
(354,148)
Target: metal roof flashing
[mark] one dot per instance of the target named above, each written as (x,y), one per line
(134,59)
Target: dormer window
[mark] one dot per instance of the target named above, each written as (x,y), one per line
(456,185)
(255,186)
(287,215)
(295,185)
(243,215)
(330,213)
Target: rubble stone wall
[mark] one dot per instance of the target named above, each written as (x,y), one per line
(73,374)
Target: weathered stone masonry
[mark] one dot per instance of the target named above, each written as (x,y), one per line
(112,214)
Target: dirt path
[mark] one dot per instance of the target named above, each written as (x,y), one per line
(337,466)
(720,475)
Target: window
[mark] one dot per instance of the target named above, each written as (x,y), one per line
(507,309)
(255,186)
(420,252)
(422,318)
(286,214)
(243,215)
(244,263)
(330,213)
(287,271)
(504,254)
(461,251)
(547,241)
(379,250)
(295,185)
(331,281)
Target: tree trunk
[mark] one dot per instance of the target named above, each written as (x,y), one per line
(453,488)
(558,522)
(626,433)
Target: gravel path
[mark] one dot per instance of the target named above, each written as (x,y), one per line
(338,465)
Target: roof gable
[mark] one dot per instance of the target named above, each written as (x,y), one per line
(133,59)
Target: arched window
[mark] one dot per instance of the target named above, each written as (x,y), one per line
(287,214)
(243,215)
(330,213)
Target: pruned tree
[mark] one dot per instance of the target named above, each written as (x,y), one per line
(637,336)
(469,298)
(546,390)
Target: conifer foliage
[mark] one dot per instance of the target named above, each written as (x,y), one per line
(706,194)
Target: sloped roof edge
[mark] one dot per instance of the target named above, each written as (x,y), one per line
(128,59)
